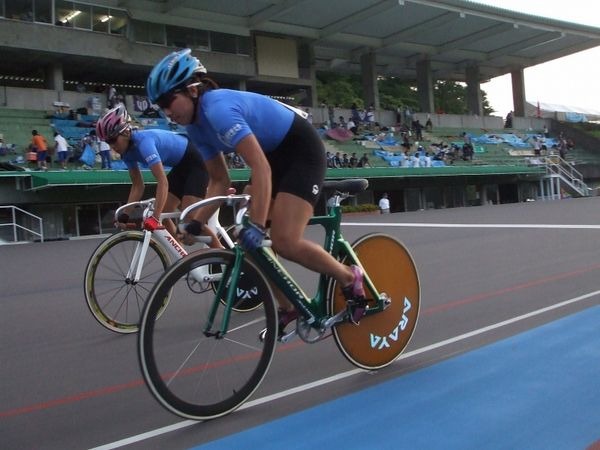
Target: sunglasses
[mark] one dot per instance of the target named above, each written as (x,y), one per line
(112,140)
(165,100)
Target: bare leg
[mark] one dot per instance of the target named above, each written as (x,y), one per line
(188,200)
(289,216)
(171,205)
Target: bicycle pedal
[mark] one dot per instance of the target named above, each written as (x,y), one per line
(284,338)
(356,310)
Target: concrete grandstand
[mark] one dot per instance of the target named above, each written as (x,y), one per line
(63,58)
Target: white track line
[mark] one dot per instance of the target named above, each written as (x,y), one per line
(533,226)
(340,376)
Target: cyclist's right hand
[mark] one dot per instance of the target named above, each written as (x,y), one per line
(252,236)
(152,223)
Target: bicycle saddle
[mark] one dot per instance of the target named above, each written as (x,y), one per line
(349,186)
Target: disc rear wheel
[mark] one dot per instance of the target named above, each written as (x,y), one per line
(381,336)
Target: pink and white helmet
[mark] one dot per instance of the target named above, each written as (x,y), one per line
(113,123)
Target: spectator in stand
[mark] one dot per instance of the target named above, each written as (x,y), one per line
(562,147)
(92,140)
(342,123)
(331,116)
(415,160)
(426,160)
(370,117)
(345,161)
(364,161)
(337,160)
(40,146)
(330,162)
(350,125)
(353,161)
(429,124)
(105,155)
(61,149)
(537,146)
(467,148)
(355,114)
(111,96)
(509,120)
(418,130)
(405,140)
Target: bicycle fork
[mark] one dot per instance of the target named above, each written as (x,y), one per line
(137,262)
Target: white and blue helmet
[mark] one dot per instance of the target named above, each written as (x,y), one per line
(172,72)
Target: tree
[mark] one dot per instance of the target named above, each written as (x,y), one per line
(395,93)
(339,90)
(344,90)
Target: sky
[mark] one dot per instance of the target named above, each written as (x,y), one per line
(572,80)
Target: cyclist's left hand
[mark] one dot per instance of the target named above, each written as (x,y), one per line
(191,231)
(252,235)
(152,223)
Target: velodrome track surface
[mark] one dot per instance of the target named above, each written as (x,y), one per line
(505,354)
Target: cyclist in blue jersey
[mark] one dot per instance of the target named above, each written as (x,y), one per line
(283,150)
(186,182)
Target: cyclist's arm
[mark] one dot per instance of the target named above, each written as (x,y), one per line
(162,188)
(249,149)
(137,185)
(218,184)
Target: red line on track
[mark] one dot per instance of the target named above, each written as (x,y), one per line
(435,309)
(70,399)
(518,287)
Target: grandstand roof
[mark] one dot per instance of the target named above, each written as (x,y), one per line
(453,34)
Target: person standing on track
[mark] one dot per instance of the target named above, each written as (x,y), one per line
(184,185)
(384,204)
(283,150)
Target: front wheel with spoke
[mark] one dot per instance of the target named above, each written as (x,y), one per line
(190,366)
(116,300)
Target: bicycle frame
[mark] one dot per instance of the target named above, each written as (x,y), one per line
(164,238)
(314,310)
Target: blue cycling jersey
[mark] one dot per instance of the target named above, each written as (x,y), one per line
(150,147)
(224,117)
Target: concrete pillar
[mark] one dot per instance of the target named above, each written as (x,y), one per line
(242,85)
(474,105)
(425,86)
(313,98)
(369,79)
(518,91)
(54,78)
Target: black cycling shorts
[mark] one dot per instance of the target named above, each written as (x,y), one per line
(189,176)
(298,164)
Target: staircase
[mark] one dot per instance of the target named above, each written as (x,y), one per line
(562,175)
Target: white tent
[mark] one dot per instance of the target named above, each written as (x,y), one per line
(565,113)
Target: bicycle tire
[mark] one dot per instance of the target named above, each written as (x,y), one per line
(114,301)
(191,373)
(380,337)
